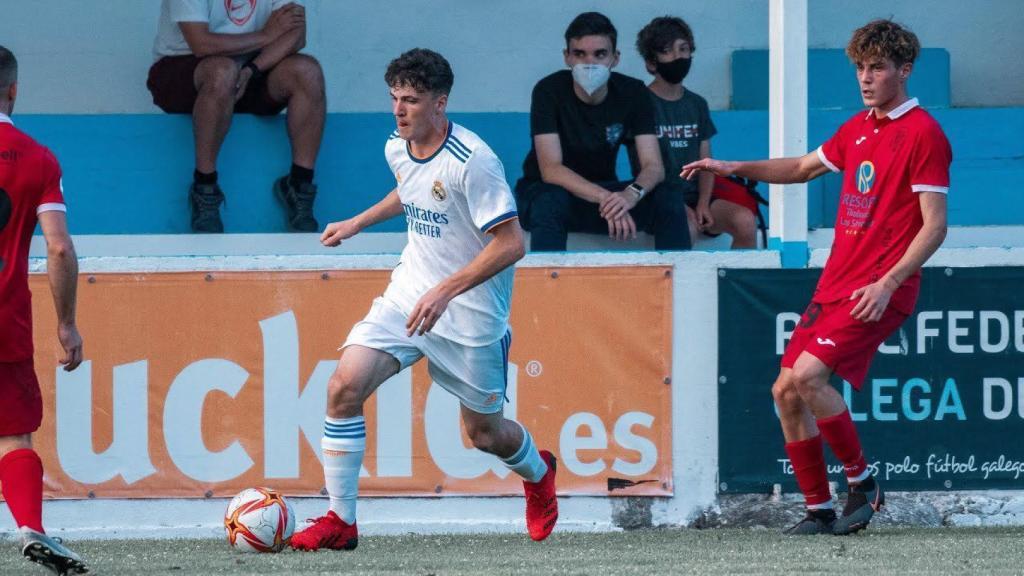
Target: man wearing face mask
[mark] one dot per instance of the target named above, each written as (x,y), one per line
(684,129)
(578,119)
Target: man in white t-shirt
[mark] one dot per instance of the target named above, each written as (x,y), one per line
(218,57)
(448,300)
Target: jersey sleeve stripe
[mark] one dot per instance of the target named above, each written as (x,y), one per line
(824,160)
(51,207)
(929,188)
(458,143)
(499,220)
(459,155)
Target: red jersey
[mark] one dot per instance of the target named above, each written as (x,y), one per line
(30,183)
(885,162)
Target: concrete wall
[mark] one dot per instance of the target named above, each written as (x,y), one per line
(92,57)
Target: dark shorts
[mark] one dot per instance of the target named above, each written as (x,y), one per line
(172,83)
(841,342)
(21,404)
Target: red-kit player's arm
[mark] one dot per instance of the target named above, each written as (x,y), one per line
(61,261)
(929,179)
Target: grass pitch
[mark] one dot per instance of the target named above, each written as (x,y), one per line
(927,551)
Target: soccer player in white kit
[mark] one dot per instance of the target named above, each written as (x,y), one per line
(448,300)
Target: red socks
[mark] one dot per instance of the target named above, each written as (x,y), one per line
(21,477)
(841,436)
(808,459)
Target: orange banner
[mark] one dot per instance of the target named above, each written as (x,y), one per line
(202,384)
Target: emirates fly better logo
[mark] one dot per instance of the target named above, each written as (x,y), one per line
(240,11)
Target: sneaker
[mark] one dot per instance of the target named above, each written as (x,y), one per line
(205,200)
(329,532)
(541,502)
(863,500)
(51,553)
(298,203)
(815,522)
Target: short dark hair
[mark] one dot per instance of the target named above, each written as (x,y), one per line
(591,24)
(660,34)
(883,39)
(8,68)
(421,69)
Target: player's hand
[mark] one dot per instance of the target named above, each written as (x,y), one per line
(616,205)
(874,298)
(284,20)
(622,229)
(244,75)
(427,311)
(706,165)
(71,342)
(335,232)
(705,221)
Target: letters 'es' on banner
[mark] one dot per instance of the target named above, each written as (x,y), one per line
(202,384)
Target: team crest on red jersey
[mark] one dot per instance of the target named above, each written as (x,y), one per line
(865,177)
(240,11)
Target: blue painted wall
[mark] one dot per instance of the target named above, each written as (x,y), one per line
(129,174)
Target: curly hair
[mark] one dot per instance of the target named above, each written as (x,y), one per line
(421,69)
(883,39)
(659,35)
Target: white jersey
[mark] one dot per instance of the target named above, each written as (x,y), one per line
(451,200)
(222,17)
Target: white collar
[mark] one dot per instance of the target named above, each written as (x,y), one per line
(5,119)
(897,111)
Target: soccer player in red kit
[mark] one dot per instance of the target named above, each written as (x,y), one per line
(30,192)
(892,217)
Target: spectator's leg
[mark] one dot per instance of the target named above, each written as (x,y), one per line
(549,211)
(691,225)
(669,222)
(736,221)
(215,80)
(299,81)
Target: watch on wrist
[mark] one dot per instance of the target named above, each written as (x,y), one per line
(638,190)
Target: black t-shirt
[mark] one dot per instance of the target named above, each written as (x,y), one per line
(590,135)
(681,126)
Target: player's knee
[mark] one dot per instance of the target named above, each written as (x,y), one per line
(344,397)
(784,393)
(217,76)
(807,382)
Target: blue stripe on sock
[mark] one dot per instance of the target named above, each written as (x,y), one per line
(524,450)
(347,435)
(345,426)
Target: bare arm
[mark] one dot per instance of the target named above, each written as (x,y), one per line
(289,43)
(874,298)
(652,171)
(552,171)
(204,43)
(389,207)
(776,171)
(62,270)
(505,249)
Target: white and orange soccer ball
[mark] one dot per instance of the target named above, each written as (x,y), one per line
(259,520)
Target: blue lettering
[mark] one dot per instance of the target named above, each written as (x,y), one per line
(949,402)
(924,403)
(879,400)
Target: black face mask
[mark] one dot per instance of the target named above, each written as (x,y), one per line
(673,72)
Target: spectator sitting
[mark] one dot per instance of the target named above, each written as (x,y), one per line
(215,58)
(684,130)
(578,120)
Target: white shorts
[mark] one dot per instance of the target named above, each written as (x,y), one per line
(476,375)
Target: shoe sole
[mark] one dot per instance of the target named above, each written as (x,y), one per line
(44,556)
(349,544)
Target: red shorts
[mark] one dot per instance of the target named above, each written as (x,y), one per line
(21,404)
(172,83)
(841,342)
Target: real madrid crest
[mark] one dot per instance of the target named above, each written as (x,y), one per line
(438,191)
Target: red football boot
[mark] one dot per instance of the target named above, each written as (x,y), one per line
(541,502)
(328,532)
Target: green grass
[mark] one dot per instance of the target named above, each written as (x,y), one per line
(719,551)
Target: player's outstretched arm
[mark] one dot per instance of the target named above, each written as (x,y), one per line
(776,171)
(505,249)
(875,297)
(335,232)
(62,269)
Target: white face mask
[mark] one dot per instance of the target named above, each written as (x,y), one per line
(591,77)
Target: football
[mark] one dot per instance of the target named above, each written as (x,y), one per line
(259,520)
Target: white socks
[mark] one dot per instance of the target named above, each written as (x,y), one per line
(343,445)
(527,461)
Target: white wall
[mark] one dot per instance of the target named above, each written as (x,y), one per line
(92,56)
